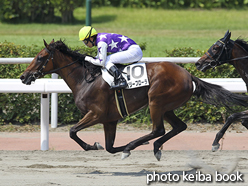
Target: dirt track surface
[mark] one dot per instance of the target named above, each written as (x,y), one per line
(66,164)
(74,168)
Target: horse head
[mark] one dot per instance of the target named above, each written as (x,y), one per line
(42,63)
(217,54)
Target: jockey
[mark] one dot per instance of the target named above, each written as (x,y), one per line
(123,50)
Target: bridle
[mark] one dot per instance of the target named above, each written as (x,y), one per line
(51,53)
(225,47)
(43,66)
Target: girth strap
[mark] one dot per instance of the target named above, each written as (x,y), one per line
(121,103)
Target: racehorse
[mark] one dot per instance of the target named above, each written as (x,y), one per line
(235,53)
(170,86)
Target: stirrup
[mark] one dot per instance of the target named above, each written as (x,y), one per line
(120,85)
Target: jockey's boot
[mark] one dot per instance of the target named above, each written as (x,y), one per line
(119,80)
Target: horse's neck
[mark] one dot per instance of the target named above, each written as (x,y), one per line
(73,75)
(242,64)
(238,51)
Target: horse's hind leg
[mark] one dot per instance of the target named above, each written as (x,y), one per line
(244,116)
(229,121)
(177,127)
(220,134)
(245,123)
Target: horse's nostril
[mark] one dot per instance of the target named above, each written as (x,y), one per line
(22,77)
(36,75)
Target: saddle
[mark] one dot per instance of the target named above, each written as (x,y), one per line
(135,75)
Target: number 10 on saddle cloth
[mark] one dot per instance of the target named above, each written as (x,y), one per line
(135,75)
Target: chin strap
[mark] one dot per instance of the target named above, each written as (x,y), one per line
(88,38)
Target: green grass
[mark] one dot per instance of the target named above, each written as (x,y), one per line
(160,29)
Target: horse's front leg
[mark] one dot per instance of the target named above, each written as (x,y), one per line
(88,120)
(158,130)
(110,132)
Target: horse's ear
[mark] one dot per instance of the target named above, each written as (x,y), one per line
(227,36)
(45,43)
(227,32)
(52,41)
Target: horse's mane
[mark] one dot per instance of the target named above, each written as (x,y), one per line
(76,55)
(242,43)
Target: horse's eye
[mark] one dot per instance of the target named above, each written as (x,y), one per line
(215,48)
(39,59)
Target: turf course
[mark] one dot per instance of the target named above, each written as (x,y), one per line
(159,29)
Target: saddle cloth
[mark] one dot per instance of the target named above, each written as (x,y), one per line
(135,75)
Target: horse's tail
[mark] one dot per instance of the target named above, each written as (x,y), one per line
(217,95)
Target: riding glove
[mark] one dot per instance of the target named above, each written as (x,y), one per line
(93,61)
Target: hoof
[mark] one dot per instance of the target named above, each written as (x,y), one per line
(98,146)
(125,155)
(158,155)
(215,147)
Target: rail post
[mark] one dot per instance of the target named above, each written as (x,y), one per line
(88,13)
(54,106)
(44,122)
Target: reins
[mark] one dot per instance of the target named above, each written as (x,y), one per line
(92,73)
(54,70)
(234,59)
(238,58)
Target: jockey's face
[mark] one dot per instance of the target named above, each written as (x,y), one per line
(88,43)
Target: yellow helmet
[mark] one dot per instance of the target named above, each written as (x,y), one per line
(86,32)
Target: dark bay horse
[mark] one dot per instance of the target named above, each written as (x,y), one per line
(170,86)
(235,53)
